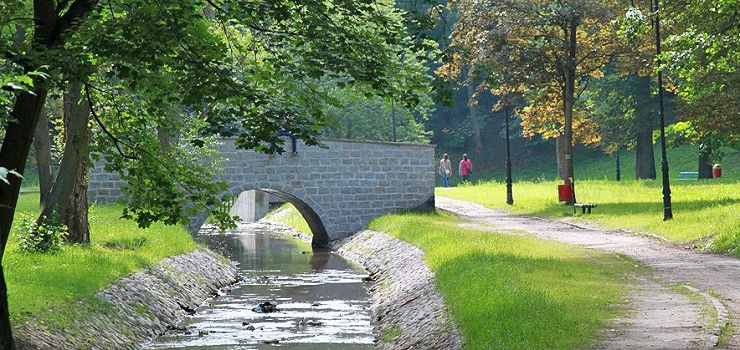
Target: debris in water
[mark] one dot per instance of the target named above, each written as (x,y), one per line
(303,322)
(188,310)
(266,307)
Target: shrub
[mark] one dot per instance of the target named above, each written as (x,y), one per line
(44,238)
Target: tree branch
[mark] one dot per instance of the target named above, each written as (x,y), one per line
(115,140)
(71,20)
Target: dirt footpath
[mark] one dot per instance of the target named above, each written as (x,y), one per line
(687,302)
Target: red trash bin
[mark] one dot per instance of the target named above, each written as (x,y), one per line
(717,171)
(565,193)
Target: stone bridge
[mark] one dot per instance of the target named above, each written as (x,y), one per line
(337,188)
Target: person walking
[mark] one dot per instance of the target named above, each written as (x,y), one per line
(445,169)
(465,168)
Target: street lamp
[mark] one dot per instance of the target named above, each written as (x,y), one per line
(667,212)
(509,197)
(393,118)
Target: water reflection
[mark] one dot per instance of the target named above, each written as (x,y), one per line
(322,302)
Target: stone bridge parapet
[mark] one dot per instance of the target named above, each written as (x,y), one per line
(338,187)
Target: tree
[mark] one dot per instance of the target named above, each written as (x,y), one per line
(703,53)
(42,146)
(68,196)
(545,50)
(141,63)
(623,109)
(704,70)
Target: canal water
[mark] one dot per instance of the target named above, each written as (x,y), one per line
(321,299)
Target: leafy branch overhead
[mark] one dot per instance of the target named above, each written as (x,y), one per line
(163,77)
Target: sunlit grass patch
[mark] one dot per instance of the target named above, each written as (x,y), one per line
(38,282)
(516,292)
(289,215)
(706,209)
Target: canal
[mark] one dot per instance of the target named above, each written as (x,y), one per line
(321,300)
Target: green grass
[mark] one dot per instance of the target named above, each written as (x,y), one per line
(39,282)
(517,292)
(289,215)
(708,210)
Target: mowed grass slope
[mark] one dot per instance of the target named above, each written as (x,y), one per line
(517,292)
(39,282)
(289,215)
(511,291)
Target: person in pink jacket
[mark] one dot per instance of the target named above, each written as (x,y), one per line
(465,169)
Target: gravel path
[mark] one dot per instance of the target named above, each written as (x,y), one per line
(683,305)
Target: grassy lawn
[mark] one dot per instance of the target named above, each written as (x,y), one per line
(39,282)
(707,209)
(516,292)
(288,214)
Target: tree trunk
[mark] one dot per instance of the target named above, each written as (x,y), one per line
(42,145)
(569,99)
(560,155)
(13,155)
(19,134)
(69,194)
(644,151)
(473,117)
(705,164)
(6,335)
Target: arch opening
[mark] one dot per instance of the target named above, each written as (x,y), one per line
(252,205)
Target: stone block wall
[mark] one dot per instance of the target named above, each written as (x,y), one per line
(345,183)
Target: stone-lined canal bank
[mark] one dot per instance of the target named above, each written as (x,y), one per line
(136,307)
(408,310)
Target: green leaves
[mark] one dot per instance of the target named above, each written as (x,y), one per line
(5,172)
(632,25)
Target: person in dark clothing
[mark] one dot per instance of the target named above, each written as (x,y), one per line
(284,132)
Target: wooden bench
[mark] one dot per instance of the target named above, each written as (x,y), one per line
(688,175)
(584,207)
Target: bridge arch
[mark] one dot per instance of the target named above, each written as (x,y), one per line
(311,210)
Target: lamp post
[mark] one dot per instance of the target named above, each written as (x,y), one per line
(509,197)
(393,118)
(619,171)
(667,212)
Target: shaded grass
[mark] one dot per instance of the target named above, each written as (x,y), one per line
(289,215)
(707,210)
(38,282)
(516,292)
